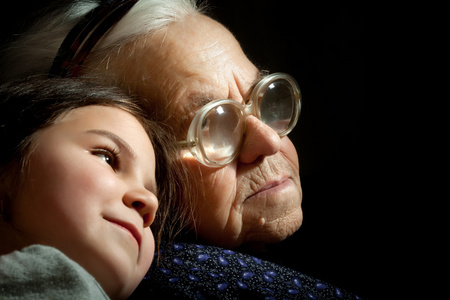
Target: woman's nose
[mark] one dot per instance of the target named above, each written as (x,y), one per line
(260,140)
(144,202)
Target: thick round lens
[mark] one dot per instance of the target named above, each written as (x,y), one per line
(277,105)
(222,133)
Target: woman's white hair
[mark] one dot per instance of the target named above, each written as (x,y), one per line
(33,52)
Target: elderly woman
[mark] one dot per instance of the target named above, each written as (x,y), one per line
(243,168)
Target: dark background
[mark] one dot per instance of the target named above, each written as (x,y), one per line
(325,47)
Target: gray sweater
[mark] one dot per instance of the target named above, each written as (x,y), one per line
(42,272)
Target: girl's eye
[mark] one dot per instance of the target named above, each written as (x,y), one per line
(106,156)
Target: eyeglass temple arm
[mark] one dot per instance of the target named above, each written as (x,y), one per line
(186,144)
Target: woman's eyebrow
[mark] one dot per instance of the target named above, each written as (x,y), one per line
(199,99)
(123,145)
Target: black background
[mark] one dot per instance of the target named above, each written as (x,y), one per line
(325,47)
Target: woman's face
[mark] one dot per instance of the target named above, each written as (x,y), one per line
(90,192)
(256,198)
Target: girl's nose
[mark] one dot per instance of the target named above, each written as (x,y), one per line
(144,202)
(260,140)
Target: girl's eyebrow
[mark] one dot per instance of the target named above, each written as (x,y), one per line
(123,145)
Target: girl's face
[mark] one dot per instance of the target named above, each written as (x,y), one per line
(90,192)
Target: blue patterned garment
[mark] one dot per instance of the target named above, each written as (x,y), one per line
(190,271)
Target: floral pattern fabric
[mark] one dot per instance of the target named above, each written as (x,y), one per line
(191,271)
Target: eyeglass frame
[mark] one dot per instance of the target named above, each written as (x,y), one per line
(251,107)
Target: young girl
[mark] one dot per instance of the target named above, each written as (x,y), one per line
(78,190)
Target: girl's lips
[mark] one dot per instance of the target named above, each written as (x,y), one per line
(128,227)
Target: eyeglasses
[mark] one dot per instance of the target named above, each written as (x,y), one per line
(217,132)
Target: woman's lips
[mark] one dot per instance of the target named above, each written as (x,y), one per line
(271,186)
(130,228)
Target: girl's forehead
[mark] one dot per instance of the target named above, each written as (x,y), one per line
(127,128)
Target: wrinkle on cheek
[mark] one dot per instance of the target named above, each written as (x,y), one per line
(266,172)
(255,178)
(224,188)
(217,192)
(290,152)
(293,161)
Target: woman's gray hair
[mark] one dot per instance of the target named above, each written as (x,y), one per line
(34,51)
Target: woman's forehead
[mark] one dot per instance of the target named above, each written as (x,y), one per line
(188,64)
